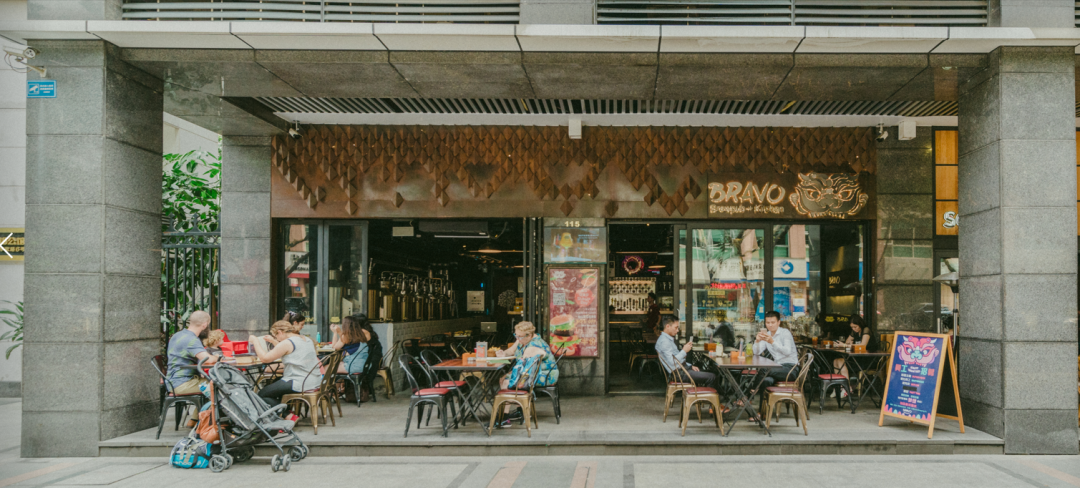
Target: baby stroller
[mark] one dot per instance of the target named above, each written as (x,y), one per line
(245,420)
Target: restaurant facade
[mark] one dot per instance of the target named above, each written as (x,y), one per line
(450,177)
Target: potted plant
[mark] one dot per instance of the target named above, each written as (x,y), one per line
(14,319)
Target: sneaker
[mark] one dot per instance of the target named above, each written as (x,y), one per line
(843,393)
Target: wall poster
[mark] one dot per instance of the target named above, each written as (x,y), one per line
(573,311)
(921,382)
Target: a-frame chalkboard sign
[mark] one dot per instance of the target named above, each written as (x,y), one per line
(921,381)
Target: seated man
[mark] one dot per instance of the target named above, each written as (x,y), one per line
(668,352)
(186,349)
(780,346)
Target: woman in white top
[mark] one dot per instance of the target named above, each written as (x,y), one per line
(297,354)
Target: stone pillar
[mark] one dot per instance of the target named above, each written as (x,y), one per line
(905,232)
(558,11)
(1026,13)
(1018,250)
(245,236)
(93,251)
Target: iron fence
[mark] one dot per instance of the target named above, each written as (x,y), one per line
(190,278)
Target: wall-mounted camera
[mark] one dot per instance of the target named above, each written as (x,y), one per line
(295,131)
(882,134)
(18,60)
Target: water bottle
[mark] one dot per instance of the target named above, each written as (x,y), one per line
(318,337)
(204,387)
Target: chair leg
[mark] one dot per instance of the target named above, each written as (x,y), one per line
(527,414)
(685,415)
(161,422)
(408,420)
(719,417)
(698,412)
(330,410)
(494,415)
(821,401)
(442,408)
(667,402)
(554,406)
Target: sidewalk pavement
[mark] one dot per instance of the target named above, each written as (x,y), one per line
(899,471)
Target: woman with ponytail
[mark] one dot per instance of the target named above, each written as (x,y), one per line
(297,354)
(353,335)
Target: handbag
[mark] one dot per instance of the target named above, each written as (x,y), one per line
(207,428)
(190,452)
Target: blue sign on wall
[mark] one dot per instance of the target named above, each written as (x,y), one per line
(41,89)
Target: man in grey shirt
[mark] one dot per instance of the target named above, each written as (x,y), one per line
(669,352)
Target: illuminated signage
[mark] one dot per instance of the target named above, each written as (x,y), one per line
(12,244)
(810,195)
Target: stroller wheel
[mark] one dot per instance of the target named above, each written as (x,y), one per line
(297,453)
(275,462)
(286,462)
(219,463)
(229,458)
(243,454)
(306,451)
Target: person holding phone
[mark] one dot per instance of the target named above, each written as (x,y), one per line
(668,352)
(780,346)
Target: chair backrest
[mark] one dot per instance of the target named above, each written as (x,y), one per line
(805,365)
(330,361)
(529,376)
(429,358)
(407,362)
(158,362)
(823,361)
(683,371)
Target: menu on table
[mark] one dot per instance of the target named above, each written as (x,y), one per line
(573,312)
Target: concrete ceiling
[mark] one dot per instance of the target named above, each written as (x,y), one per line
(566,75)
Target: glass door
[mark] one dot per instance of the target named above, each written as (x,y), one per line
(727,279)
(323,272)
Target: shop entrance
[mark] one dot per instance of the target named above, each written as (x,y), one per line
(720,279)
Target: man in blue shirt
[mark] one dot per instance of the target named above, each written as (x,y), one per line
(669,352)
(186,349)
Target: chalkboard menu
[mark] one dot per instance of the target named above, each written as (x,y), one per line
(921,381)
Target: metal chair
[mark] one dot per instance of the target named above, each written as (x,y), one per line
(827,379)
(320,400)
(429,358)
(552,391)
(522,397)
(169,398)
(693,396)
(423,396)
(790,394)
(365,378)
(674,386)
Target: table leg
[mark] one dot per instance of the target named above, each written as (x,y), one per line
(747,405)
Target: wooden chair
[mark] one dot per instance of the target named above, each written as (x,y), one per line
(673,386)
(694,395)
(790,394)
(522,397)
(319,400)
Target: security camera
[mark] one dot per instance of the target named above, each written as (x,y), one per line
(882,134)
(28,53)
(294,131)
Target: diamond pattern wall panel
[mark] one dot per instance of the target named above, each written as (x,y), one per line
(493,171)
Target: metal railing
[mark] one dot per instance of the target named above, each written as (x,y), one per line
(190,278)
(422,11)
(971,13)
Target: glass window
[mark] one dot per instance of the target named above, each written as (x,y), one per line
(301,244)
(727,272)
(345,271)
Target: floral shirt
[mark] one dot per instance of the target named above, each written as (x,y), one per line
(549,372)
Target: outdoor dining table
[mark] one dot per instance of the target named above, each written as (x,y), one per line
(864,383)
(742,403)
(252,370)
(481,393)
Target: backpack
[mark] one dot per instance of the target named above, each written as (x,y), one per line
(190,453)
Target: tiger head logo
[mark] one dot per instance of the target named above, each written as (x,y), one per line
(834,195)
